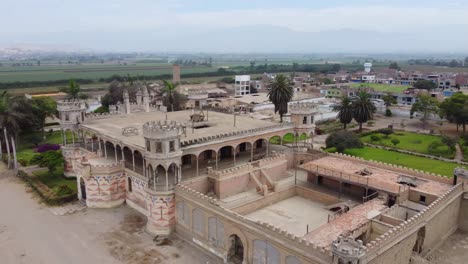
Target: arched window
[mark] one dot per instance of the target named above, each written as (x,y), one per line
(198,222)
(216,232)
(183,213)
(265,253)
(129,184)
(292,260)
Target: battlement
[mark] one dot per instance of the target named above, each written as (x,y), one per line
(159,130)
(100,115)
(266,230)
(393,234)
(303,108)
(234,134)
(245,168)
(396,168)
(348,249)
(75,105)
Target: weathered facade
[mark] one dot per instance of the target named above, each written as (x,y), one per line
(214,179)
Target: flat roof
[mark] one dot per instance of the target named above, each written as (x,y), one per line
(219,123)
(381,179)
(349,221)
(293,215)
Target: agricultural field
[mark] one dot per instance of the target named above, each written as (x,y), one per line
(383,87)
(406,160)
(414,142)
(89,71)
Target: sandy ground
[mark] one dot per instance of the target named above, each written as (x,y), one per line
(30,233)
(293,215)
(453,251)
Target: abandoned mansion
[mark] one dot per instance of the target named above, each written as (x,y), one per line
(254,191)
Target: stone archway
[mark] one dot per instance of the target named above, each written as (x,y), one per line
(83,189)
(236,250)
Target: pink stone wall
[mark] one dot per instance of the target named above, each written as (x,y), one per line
(161,213)
(102,190)
(138,194)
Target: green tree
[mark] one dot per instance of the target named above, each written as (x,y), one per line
(394,65)
(389,100)
(345,110)
(395,141)
(425,106)
(342,140)
(425,85)
(73,91)
(455,109)
(169,92)
(44,107)
(363,108)
(280,94)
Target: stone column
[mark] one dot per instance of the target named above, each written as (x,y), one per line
(167,181)
(197,166)
(216,164)
(133,160)
(115,153)
(251,151)
(267,144)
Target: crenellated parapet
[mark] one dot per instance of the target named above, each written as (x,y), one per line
(303,108)
(241,169)
(265,230)
(232,134)
(348,250)
(392,235)
(71,113)
(162,130)
(396,168)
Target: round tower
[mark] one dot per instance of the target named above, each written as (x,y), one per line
(71,114)
(302,115)
(163,162)
(349,251)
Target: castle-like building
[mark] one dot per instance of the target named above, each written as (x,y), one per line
(254,191)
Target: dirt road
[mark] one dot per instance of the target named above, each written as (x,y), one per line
(31,234)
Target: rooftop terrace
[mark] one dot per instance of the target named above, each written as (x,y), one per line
(219,123)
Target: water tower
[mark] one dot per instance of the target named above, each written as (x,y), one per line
(367,67)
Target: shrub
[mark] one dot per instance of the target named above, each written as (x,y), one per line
(431,149)
(370,123)
(50,159)
(62,190)
(450,142)
(23,162)
(342,140)
(388,112)
(395,141)
(374,137)
(46,147)
(385,131)
(416,141)
(318,131)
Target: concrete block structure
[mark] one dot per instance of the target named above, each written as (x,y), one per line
(242,85)
(236,192)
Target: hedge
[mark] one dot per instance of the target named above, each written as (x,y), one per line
(44,192)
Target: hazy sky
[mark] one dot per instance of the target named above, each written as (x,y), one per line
(87,23)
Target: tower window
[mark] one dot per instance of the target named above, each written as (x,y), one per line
(171,146)
(304,120)
(158,147)
(148,145)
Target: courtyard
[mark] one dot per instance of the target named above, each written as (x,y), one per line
(92,236)
(296,215)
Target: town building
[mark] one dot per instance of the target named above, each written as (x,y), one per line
(242,85)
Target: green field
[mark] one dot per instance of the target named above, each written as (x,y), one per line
(412,142)
(406,160)
(89,71)
(383,87)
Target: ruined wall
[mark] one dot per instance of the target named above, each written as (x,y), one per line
(201,184)
(316,196)
(265,201)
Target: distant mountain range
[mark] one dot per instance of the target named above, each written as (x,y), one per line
(259,38)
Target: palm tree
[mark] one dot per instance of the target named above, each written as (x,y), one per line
(280,94)
(363,108)
(73,91)
(169,90)
(388,100)
(345,110)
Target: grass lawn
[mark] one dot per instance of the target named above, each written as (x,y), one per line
(288,138)
(26,148)
(380,87)
(55,179)
(406,160)
(412,142)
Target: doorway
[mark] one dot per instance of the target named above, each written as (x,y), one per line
(83,189)
(236,250)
